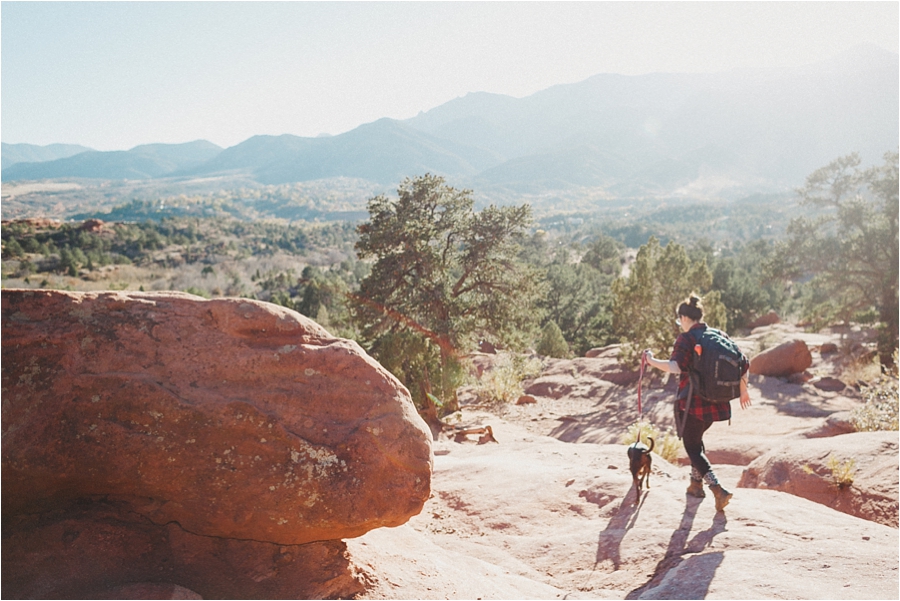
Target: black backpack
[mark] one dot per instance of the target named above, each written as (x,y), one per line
(717,365)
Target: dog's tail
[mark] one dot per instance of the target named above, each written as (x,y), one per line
(651,444)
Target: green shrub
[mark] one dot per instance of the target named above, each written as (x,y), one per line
(552,343)
(197,291)
(416,361)
(644,302)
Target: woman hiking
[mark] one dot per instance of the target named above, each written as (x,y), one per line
(701,413)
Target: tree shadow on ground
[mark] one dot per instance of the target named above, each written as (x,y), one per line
(794,400)
(699,569)
(617,411)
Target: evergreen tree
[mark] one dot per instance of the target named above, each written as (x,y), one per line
(443,277)
(644,302)
(851,252)
(552,343)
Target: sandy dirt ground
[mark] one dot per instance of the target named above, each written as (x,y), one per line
(549,512)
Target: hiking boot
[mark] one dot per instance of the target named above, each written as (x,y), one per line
(696,489)
(722,496)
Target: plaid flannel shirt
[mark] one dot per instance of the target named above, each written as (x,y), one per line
(702,409)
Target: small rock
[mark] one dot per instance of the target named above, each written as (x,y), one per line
(800,378)
(829,384)
(834,425)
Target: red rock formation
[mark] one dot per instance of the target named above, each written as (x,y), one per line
(783,360)
(92,225)
(802,468)
(770,318)
(233,418)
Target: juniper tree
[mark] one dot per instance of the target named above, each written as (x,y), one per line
(444,277)
(645,301)
(849,254)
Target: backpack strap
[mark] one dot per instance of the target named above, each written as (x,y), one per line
(679,425)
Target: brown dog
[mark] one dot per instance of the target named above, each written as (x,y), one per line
(640,462)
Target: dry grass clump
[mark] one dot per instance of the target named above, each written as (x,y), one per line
(666,442)
(882,405)
(842,471)
(503,382)
(861,370)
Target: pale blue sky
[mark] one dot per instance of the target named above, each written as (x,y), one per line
(114,75)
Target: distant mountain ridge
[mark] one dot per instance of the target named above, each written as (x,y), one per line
(30,153)
(659,133)
(141,162)
(747,125)
(384,151)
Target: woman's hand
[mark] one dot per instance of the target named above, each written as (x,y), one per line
(745,395)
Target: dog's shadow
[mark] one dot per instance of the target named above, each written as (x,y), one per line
(609,540)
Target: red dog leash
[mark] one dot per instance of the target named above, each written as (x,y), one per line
(641,384)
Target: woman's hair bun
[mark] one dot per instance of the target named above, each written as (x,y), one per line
(692,308)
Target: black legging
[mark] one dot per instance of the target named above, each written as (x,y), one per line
(692,437)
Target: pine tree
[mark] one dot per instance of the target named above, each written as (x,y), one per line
(645,302)
(552,343)
(443,277)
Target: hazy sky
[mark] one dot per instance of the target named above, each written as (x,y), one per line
(114,75)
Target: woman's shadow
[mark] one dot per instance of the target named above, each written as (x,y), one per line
(609,544)
(702,567)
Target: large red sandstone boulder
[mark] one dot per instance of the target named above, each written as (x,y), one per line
(783,360)
(804,468)
(232,417)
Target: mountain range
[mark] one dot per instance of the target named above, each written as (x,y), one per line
(629,135)
(141,162)
(29,153)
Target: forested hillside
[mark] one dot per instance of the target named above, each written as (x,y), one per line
(749,257)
